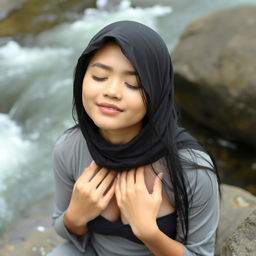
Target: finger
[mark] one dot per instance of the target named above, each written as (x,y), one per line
(140,176)
(110,192)
(117,189)
(157,188)
(122,182)
(130,178)
(99,176)
(106,182)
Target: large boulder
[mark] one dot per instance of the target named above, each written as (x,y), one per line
(34,16)
(236,205)
(243,240)
(215,72)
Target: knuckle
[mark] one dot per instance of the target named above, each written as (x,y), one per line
(86,190)
(124,198)
(101,205)
(94,198)
(78,186)
(103,170)
(139,188)
(128,191)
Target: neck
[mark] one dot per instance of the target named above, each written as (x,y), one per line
(119,136)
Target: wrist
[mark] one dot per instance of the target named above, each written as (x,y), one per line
(147,233)
(74,219)
(77,228)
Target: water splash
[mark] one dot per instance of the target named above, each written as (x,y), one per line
(13,153)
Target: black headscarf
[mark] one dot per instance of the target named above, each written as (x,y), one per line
(150,57)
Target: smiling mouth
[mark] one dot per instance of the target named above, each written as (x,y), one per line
(109,109)
(110,106)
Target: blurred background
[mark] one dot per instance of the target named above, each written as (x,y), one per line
(40,42)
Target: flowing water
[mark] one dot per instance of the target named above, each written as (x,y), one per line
(36,91)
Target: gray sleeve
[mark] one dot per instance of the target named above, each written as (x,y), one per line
(204,210)
(63,189)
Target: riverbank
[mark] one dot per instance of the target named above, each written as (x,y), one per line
(32,234)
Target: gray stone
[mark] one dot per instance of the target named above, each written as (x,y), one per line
(215,78)
(7,6)
(243,240)
(236,205)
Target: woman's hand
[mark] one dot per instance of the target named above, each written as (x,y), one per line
(137,205)
(91,194)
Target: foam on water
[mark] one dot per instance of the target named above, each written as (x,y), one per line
(78,33)
(13,153)
(11,142)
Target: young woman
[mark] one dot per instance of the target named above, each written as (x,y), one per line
(129,180)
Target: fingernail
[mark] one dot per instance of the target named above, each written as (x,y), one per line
(92,162)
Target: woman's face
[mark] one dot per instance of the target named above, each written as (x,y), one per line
(111,94)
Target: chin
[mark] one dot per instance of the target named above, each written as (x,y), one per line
(106,125)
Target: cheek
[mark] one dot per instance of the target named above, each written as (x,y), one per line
(138,106)
(87,90)
(86,95)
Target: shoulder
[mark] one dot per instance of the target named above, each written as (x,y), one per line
(200,177)
(203,213)
(69,138)
(70,152)
(70,143)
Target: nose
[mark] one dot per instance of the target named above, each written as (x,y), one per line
(112,89)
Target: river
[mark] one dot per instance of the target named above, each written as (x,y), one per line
(36,95)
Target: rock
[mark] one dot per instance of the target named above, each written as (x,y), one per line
(236,205)
(38,243)
(243,240)
(7,6)
(214,64)
(35,16)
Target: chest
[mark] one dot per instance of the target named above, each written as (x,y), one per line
(112,211)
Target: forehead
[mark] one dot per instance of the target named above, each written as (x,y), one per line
(111,54)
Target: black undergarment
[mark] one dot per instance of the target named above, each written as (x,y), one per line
(167,224)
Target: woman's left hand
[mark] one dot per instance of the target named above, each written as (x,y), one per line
(137,205)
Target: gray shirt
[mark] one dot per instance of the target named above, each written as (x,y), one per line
(71,156)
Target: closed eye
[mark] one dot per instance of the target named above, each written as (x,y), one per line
(96,78)
(132,86)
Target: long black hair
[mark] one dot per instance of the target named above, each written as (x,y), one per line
(149,55)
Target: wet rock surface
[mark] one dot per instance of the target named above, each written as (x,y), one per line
(236,205)
(215,63)
(243,240)
(32,235)
(34,16)
(7,6)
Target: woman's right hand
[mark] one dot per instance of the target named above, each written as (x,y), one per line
(91,194)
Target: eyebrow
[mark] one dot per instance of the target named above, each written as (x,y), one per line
(103,66)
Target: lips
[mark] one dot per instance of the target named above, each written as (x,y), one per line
(110,106)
